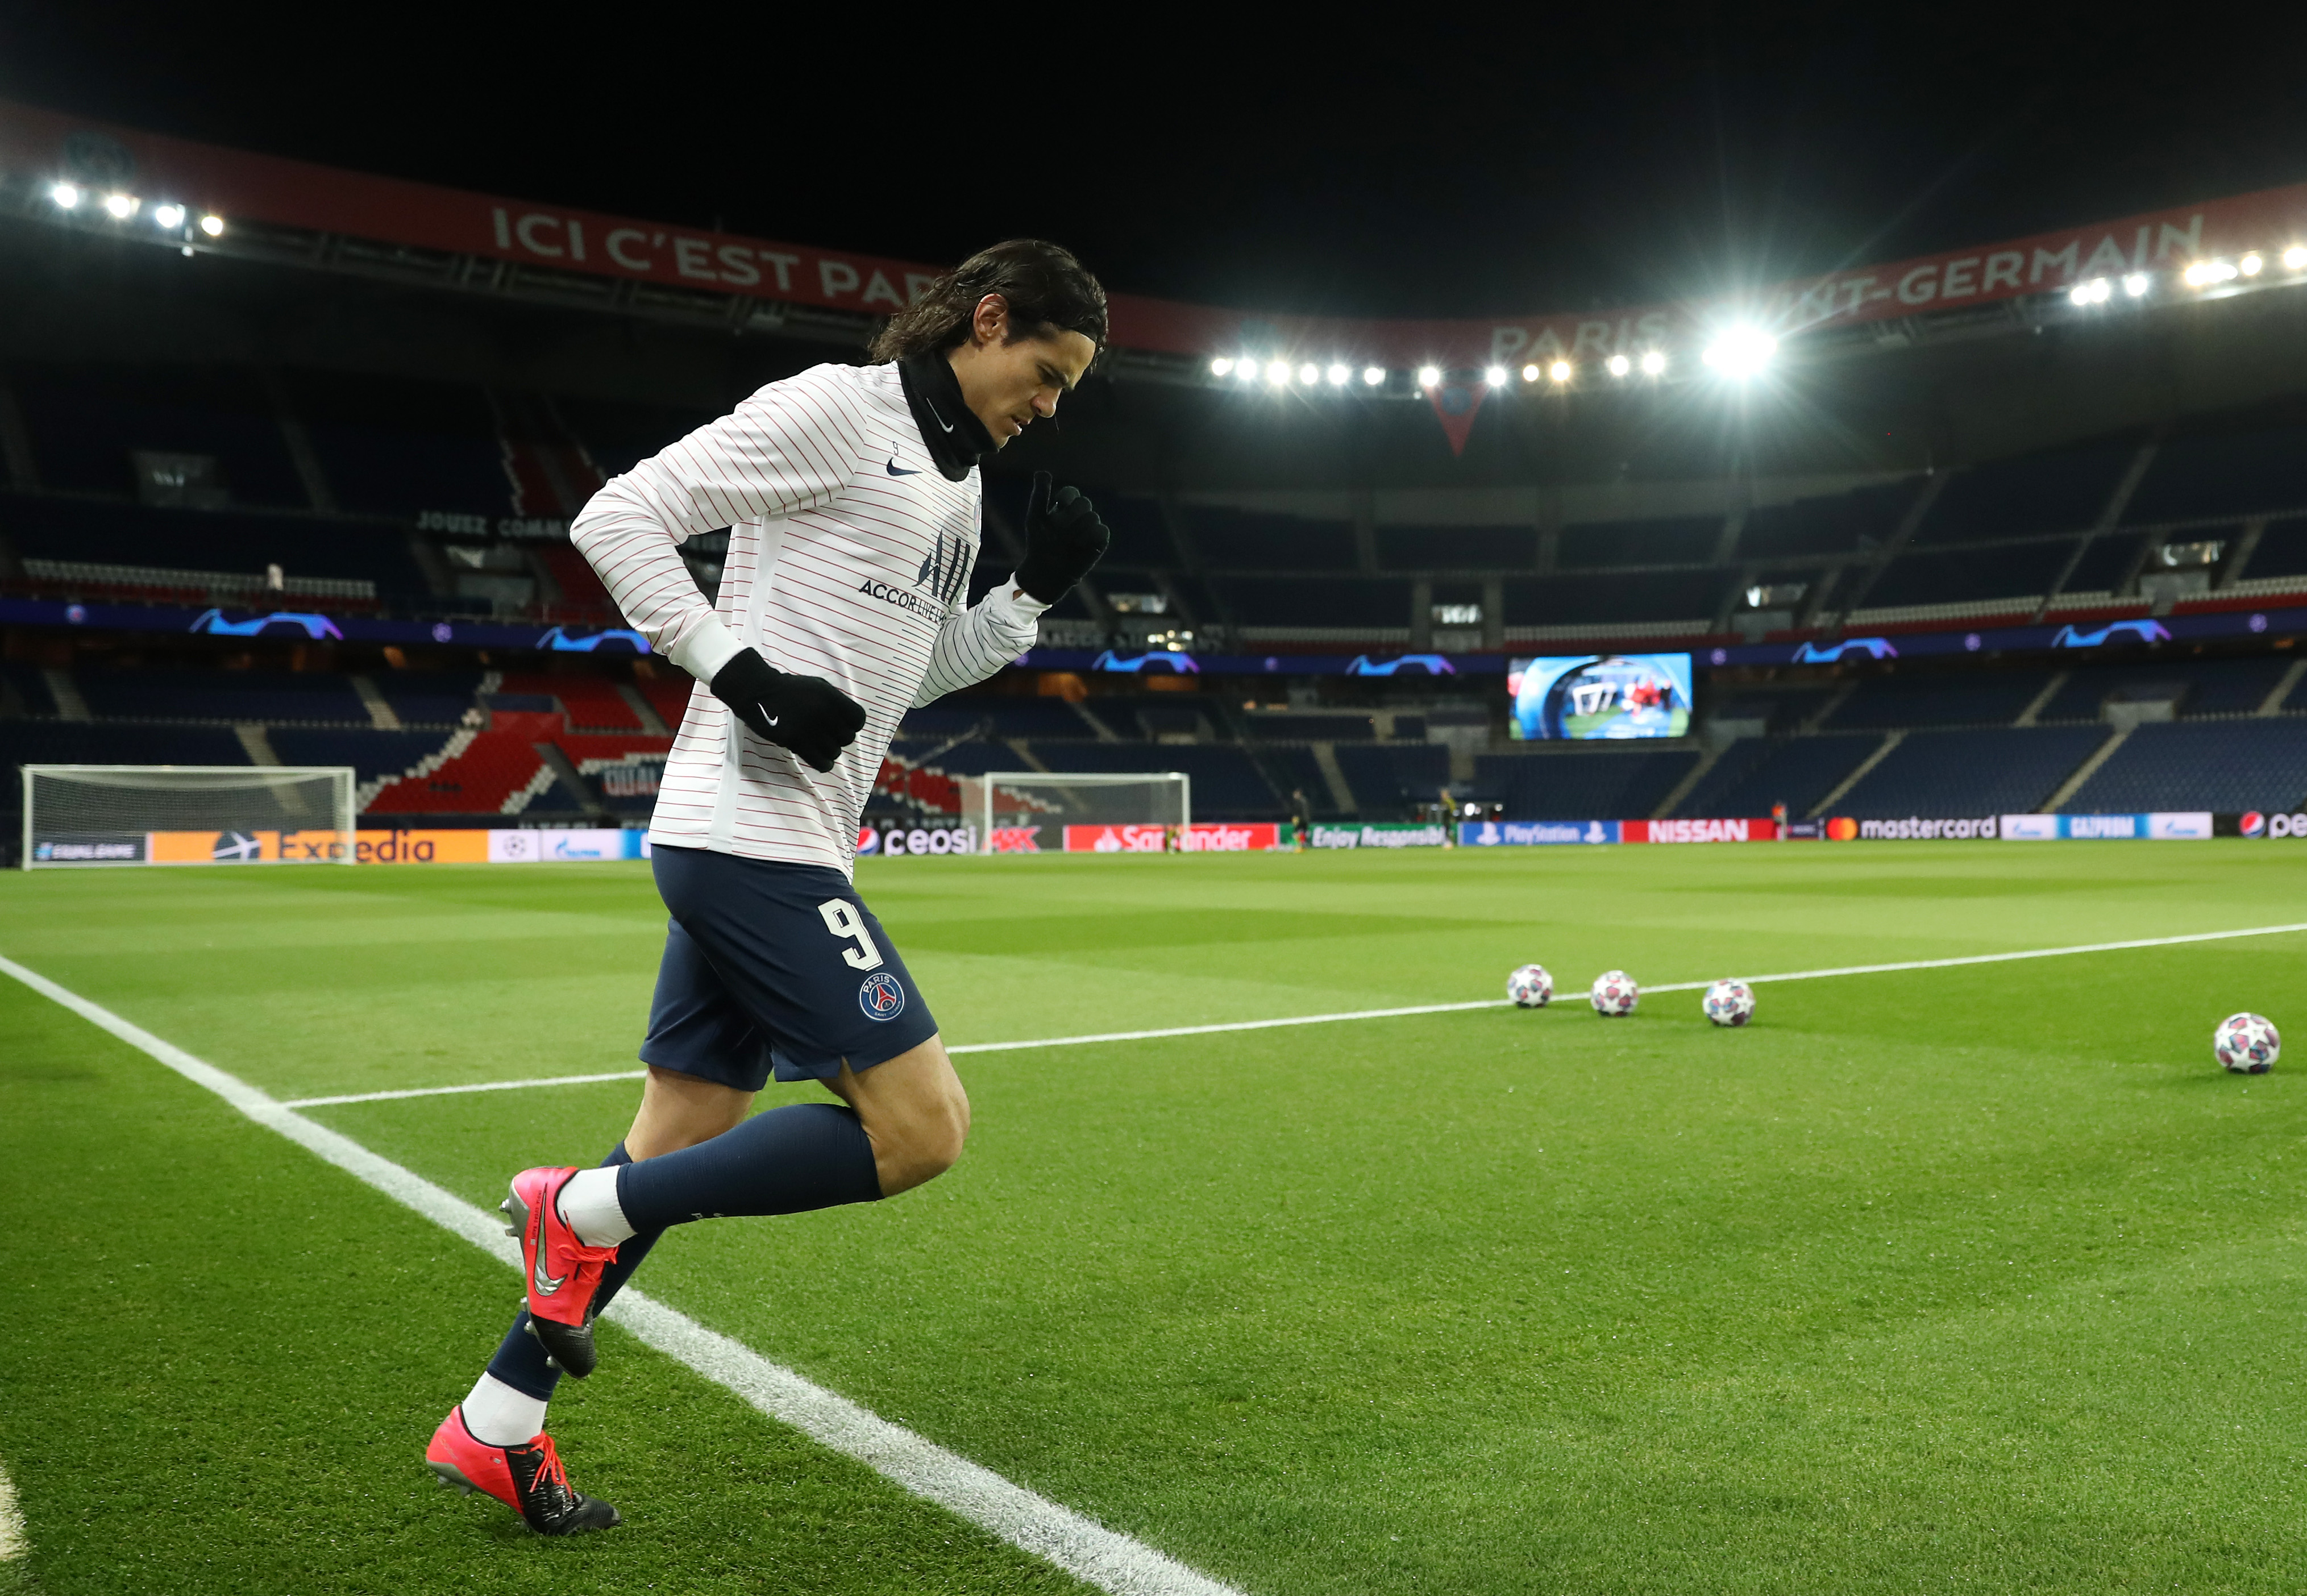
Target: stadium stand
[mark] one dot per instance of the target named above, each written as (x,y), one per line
(1755,774)
(372,754)
(1687,540)
(2059,490)
(473,773)
(589,702)
(2223,765)
(430,698)
(1388,781)
(1246,540)
(1582,784)
(272,696)
(2228,467)
(86,422)
(400,446)
(1225,783)
(1833,525)
(1311,728)
(2001,771)
(2021,571)
(138,543)
(1885,703)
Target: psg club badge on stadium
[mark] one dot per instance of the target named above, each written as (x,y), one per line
(881,996)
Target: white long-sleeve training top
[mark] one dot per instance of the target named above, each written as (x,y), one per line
(849,559)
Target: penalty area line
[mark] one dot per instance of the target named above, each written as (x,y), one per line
(1080,1546)
(1371,1014)
(14,1543)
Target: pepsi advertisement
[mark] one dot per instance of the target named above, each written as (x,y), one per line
(1584,697)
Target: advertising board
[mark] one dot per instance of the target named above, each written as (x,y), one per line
(1217,838)
(2252,823)
(2163,826)
(896,842)
(1525,834)
(1380,835)
(1757,829)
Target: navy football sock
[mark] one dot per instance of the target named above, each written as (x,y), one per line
(788,1161)
(520,1360)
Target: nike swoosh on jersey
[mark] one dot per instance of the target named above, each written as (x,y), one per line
(894,471)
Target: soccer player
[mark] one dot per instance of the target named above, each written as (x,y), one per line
(854,508)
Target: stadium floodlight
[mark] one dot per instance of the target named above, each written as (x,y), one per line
(1560,371)
(1495,376)
(1221,365)
(2252,264)
(2202,274)
(168,216)
(1339,376)
(1741,352)
(1619,366)
(1373,374)
(1654,362)
(66,196)
(120,207)
(1429,376)
(2094,292)
(2135,284)
(1278,373)
(1309,375)
(212,225)
(2295,258)
(1247,368)
(1530,373)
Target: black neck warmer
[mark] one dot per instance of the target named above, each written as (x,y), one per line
(956,438)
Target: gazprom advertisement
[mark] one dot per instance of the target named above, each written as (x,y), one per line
(1599,696)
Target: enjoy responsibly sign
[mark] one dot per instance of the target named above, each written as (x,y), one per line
(1379,835)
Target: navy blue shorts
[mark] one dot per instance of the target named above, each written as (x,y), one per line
(773,968)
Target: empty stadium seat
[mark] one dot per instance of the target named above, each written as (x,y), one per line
(1828,525)
(1312,728)
(1755,774)
(429,698)
(1683,540)
(2208,687)
(1226,785)
(235,542)
(2223,472)
(488,773)
(1228,539)
(1368,602)
(84,422)
(2021,571)
(1586,600)
(259,696)
(2006,770)
(398,446)
(1457,548)
(371,753)
(1970,699)
(1587,783)
(2061,490)
(2226,766)
(589,702)
(1387,780)
(2282,551)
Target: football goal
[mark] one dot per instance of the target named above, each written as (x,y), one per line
(77,815)
(1038,811)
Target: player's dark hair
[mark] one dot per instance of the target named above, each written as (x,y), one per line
(1046,289)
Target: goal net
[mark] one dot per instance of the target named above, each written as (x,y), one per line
(1039,811)
(187,814)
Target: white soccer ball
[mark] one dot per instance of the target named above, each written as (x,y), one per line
(1615,994)
(1531,987)
(2247,1043)
(1729,1002)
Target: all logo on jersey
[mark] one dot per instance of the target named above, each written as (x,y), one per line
(881,996)
(945,569)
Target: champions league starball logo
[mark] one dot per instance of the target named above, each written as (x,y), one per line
(881,996)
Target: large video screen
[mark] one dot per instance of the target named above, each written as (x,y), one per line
(1584,696)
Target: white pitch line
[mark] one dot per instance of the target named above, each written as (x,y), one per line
(542,1080)
(1369,1014)
(13,1542)
(1083,1547)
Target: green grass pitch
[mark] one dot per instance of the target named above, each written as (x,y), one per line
(1974,1278)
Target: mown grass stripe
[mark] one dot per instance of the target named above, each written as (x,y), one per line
(1080,1546)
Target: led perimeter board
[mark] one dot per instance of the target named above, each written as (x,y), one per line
(1583,696)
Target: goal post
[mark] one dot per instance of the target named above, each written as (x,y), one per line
(77,816)
(1014,809)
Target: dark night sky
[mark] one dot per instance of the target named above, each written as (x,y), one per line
(1383,167)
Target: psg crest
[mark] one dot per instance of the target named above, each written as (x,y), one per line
(882,997)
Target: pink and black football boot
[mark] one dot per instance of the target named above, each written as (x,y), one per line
(563,1273)
(528,1478)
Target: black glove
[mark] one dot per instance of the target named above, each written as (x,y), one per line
(1063,539)
(806,714)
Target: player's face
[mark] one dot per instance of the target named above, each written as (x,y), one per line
(1010,385)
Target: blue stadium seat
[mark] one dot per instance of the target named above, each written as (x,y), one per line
(257,696)
(1027,718)
(31,687)
(2018,571)
(1311,728)
(1140,539)
(2224,766)
(212,540)
(85,421)
(2061,490)
(2105,563)
(371,753)
(1457,548)
(83,743)
(1291,767)
(429,698)
(1573,600)
(1796,771)
(1606,784)
(397,446)
(2007,771)
(2221,473)
(1387,780)
(1828,526)
(1687,540)
(1337,602)
(1226,784)
(2213,687)
(971,759)
(1885,703)
(1229,539)
(2282,550)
